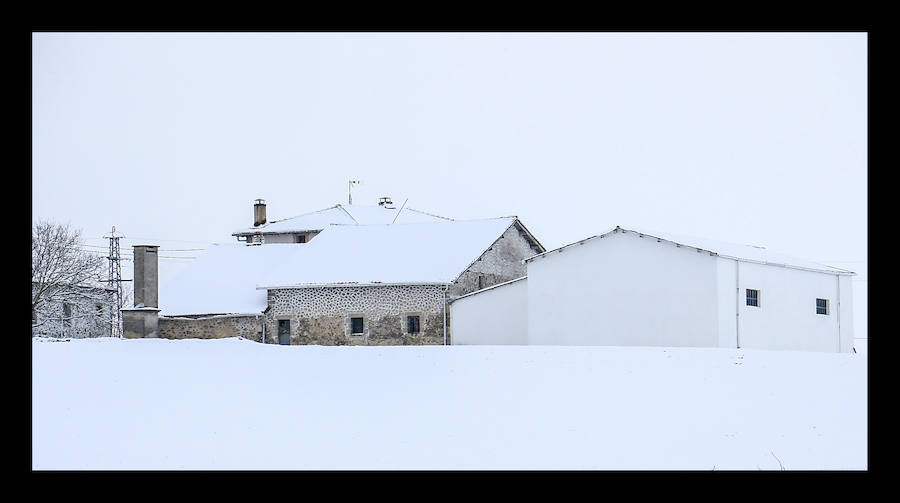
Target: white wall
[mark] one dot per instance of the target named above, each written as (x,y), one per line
(494,316)
(786,317)
(279,238)
(845,321)
(624,290)
(726,293)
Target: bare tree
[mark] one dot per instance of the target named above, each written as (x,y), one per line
(62,271)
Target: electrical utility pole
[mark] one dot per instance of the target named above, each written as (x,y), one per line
(114,279)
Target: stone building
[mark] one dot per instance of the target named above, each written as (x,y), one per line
(74,311)
(346,275)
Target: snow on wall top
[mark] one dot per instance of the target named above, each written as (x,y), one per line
(343,215)
(746,253)
(435,252)
(223,280)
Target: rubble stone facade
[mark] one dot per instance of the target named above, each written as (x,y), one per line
(211,327)
(323,315)
(85,312)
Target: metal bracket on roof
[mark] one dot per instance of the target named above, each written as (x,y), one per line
(347,212)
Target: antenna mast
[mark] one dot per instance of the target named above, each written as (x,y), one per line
(349,187)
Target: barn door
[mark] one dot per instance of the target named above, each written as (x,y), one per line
(284,332)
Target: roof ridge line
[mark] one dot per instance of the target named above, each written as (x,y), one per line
(429,214)
(304,214)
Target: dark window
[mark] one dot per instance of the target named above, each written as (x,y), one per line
(300,239)
(752,297)
(99,309)
(284,332)
(412,324)
(356,326)
(821,306)
(67,313)
(480,282)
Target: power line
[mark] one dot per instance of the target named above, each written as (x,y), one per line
(171,240)
(161,249)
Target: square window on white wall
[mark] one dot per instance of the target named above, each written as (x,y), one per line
(752,297)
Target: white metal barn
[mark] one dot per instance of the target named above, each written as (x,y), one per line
(628,288)
(631,288)
(497,315)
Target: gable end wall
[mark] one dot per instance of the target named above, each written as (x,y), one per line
(499,264)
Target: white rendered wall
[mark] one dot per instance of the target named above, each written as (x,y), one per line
(845,321)
(278,238)
(786,317)
(495,316)
(727,296)
(624,290)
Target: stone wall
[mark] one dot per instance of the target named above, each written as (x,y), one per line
(322,315)
(90,313)
(499,264)
(211,327)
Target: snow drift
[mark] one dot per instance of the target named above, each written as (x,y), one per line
(108,404)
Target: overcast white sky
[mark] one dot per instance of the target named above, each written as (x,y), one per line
(741,137)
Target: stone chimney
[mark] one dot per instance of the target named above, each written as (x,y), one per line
(142,321)
(259,212)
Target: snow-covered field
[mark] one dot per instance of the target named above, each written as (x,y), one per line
(108,404)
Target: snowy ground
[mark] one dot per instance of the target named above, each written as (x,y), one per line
(110,404)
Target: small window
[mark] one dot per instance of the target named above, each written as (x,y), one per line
(412,324)
(821,306)
(480,282)
(300,238)
(356,326)
(99,309)
(67,314)
(753,297)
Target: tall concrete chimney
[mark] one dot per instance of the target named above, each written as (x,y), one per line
(143,320)
(146,276)
(259,212)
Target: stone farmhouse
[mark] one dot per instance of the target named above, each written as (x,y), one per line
(74,311)
(344,275)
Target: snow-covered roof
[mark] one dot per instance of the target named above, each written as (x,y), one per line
(346,215)
(232,278)
(744,253)
(416,253)
(223,279)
